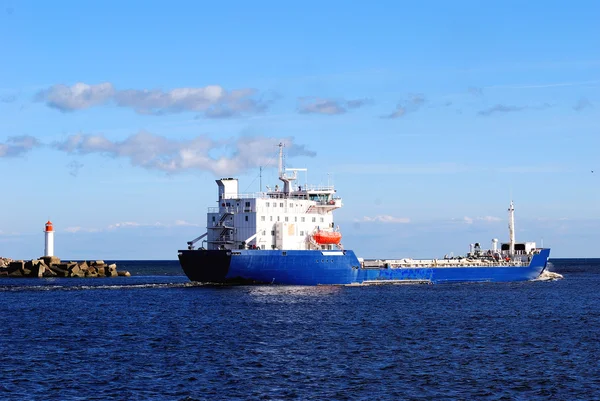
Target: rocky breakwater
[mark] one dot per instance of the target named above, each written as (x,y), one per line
(51,266)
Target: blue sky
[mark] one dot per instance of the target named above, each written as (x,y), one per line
(117,117)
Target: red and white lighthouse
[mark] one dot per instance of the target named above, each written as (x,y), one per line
(49,233)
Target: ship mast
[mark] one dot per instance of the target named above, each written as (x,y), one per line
(282,176)
(511,228)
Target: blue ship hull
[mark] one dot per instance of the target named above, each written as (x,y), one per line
(310,267)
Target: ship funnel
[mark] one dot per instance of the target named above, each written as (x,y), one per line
(495,245)
(228,188)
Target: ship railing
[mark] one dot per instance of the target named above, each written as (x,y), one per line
(249,195)
(439,263)
(231,209)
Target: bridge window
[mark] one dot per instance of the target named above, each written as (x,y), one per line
(246,218)
(302,219)
(213,218)
(286,218)
(262,218)
(268,204)
(314,219)
(301,232)
(247,204)
(281,204)
(322,220)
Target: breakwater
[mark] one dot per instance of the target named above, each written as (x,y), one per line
(51,266)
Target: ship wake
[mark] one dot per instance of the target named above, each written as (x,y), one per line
(18,288)
(548,275)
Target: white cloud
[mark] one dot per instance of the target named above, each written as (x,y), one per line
(76,97)
(384,219)
(156,152)
(213,101)
(18,145)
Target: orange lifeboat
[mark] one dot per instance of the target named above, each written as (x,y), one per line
(327,237)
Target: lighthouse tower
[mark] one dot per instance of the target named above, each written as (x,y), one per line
(49,234)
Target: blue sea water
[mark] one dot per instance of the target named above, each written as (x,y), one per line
(155,336)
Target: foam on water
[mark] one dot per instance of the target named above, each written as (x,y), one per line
(548,275)
(20,288)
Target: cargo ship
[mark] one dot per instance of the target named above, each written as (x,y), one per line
(287,235)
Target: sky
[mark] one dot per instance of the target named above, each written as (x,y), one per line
(428,117)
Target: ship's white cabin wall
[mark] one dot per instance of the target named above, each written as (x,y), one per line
(260,215)
(287,218)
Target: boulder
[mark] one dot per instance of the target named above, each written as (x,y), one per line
(50,260)
(111,271)
(16,265)
(74,270)
(124,273)
(38,268)
(60,270)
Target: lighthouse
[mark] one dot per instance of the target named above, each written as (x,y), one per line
(49,235)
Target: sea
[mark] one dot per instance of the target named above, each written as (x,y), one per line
(156,336)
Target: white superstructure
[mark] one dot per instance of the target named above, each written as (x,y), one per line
(294,217)
(49,239)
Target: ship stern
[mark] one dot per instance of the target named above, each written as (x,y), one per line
(206,266)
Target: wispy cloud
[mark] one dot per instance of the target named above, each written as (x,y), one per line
(129,225)
(8,98)
(74,168)
(384,219)
(18,145)
(212,101)
(315,105)
(412,104)
(500,108)
(475,91)
(160,153)
(484,219)
(582,104)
